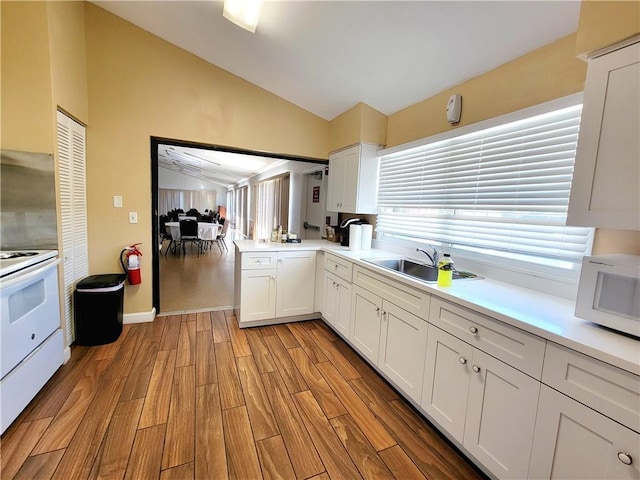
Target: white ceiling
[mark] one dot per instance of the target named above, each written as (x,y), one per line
(213,166)
(327,56)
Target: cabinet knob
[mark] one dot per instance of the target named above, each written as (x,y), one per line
(462,360)
(378,310)
(335,267)
(473,330)
(476,369)
(258,261)
(280,260)
(384,316)
(625,458)
(272,277)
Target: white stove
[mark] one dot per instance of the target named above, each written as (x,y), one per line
(16,260)
(31,340)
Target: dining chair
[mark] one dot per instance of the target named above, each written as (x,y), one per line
(164,234)
(189,233)
(220,238)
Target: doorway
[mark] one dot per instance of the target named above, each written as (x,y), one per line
(205,282)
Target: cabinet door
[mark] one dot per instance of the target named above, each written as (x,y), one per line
(336,182)
(604,191)
(574,442)
(446,380)
(366,319)
(258,295)
(296,283)
(501,416)
(403,341)
(350,161)
(331,298)
(343,308)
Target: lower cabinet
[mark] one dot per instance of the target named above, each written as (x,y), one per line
(391,338)
(485,404)
(403,341)
(337,303)
(258,299)
(574,441)
(366,320)
(283,287)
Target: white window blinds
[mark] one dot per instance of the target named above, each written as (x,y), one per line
(503,188)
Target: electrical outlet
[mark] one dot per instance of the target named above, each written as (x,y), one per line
(133,217)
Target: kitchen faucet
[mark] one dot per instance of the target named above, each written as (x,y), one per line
(433,257)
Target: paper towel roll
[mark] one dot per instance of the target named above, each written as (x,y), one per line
(367,235)
(355,237)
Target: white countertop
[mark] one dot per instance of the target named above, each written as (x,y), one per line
(538,313)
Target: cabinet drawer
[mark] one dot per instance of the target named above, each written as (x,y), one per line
(509,344)
(338,266)
(603,387)
(410,299)
(258,260)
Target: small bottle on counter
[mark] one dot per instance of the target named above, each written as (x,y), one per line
(445,271)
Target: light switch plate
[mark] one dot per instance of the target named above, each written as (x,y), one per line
(117,201)
(133,217)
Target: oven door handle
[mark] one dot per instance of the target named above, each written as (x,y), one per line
(20,278)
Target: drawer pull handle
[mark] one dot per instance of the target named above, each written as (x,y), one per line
(258,261)
(462,360)
(335,267)
(473,330)
(476,369)
(625,458)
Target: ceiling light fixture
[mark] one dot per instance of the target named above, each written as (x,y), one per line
(244,13)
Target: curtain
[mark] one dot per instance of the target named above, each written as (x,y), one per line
(201,200)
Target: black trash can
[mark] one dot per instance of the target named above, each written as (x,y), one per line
(98,302)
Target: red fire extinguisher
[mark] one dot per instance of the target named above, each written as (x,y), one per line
(132,264)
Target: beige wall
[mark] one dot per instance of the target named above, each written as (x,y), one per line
(358,124)
(604,23)
(68,58)
(545,74)
(27,102)
(141,86)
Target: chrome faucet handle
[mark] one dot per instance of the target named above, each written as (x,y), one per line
(433,257)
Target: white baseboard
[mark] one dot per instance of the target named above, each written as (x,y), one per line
(141,317)
(67,355)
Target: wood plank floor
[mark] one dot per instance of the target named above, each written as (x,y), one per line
(191,396)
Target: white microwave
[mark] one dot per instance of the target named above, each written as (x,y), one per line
(609,292)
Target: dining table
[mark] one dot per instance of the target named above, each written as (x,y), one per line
(206,231)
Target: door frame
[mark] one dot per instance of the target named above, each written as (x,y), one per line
(155,240)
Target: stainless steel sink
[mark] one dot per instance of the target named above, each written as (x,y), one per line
(426,273)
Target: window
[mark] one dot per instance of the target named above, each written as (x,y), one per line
(499,187)
(270,201)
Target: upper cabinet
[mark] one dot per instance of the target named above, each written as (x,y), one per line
(353,179)
(605,190)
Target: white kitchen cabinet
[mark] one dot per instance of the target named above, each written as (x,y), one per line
(295,283)
(337,303)
(275,285)
(446,381)
(501,415)
(337,293)
(386,329)
(485,404)
(403,341)
(353,179)
(573,441)
(604,191)
(366,320)
(258,299)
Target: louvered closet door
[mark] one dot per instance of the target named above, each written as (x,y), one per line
(73,204)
